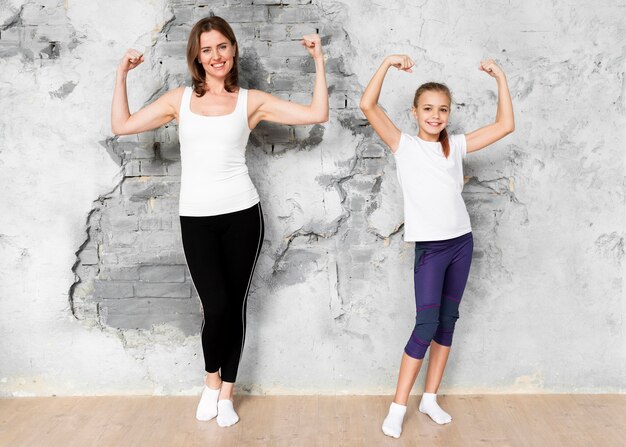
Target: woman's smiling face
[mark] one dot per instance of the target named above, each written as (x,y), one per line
(216,54)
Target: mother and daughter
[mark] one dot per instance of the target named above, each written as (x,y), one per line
(222,221)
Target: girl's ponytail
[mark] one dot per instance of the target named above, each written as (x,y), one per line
(445,143)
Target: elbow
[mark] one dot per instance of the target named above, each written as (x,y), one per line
(367,107)
(117,131)
(505,127)
(317,115)
(116,128)
(511,128)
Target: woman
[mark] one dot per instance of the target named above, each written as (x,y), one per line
(430,171)
(220,213)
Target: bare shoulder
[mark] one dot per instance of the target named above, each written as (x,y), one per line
(257,97)
(256,93)
(172,100)
(174,96)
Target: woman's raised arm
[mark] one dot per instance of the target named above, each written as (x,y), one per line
(154,115)
(266,107)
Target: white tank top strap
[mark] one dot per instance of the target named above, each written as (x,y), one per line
(242,104)
(185,104)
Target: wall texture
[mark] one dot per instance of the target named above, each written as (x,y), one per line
(95,297)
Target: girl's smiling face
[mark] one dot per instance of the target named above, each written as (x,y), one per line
(432,113)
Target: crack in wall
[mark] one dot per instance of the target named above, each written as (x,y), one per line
(14,21)
(502,186)
(82,269)
(398,230)
(77,279)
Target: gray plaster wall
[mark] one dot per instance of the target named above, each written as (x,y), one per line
(95,297)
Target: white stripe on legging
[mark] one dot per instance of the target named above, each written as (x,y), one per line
(245,299)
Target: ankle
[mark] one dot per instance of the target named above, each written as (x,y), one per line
(403,402)
(429,397)
(213,383)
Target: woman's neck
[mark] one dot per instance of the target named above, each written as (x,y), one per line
(214,86)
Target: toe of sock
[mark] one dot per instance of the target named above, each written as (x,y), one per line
(226,415)
(440,419)
(392,428)
(205,416)
(391,432)
(227,422)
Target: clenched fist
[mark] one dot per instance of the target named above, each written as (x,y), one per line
(131,59)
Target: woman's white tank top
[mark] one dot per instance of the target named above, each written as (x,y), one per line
(214,177)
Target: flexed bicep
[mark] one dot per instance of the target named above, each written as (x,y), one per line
(154,115)
(266,107)
(383,126)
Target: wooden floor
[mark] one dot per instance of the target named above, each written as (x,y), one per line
(513,420)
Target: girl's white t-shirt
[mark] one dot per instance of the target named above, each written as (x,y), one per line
(434,209)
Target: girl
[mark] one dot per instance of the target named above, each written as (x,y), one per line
(220,215)
(430,171)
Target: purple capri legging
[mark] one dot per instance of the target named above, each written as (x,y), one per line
(441,271)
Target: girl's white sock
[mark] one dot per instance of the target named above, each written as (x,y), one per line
(429,406)
(392,425)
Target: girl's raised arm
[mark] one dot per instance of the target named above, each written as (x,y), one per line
(154,115)
(505,121)
(379,120)
(266,107)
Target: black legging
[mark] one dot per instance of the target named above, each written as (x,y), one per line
(221,253)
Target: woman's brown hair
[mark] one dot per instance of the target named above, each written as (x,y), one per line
(193,51)
(436,87)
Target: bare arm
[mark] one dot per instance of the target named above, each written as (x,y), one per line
(266,107)
(379,120)
(505,121)
(154,115)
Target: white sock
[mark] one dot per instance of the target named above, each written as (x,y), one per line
(207,407)
(392,425)
(429,405)
(226,415)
